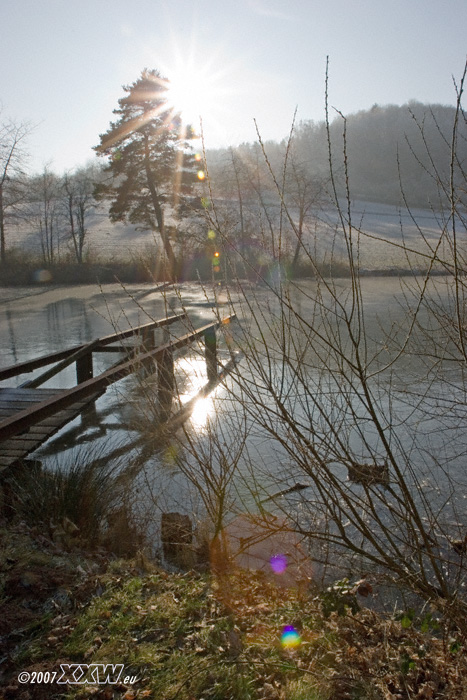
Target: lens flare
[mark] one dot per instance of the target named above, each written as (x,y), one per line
(201,175)
(278,563)
(290,638)
(42,276)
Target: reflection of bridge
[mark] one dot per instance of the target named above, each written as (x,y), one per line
(30,414)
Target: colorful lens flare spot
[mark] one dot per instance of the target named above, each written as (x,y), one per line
(211,234)
(201,175)
(42,276)
(290,638)
(198,157)
(278,563)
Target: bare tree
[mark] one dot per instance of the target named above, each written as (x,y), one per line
(78,203)
(44,213)
(12,161)
(304,193)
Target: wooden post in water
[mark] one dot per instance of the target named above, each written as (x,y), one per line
(210,350)
(166,382)
(148,342)
(84,371)
(148,339)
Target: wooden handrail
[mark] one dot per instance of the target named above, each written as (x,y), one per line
(25,419)
(50,358)
(45,376)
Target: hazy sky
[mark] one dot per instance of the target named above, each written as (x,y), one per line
(64,62)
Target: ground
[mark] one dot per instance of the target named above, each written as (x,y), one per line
(224,634)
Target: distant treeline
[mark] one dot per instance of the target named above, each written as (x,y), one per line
(395,154)
(387,154)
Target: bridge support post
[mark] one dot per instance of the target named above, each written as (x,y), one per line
(148,343)
(210,350)
(148,339)
(166,382)
(84,371)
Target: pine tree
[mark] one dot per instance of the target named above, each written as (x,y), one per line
(150,161)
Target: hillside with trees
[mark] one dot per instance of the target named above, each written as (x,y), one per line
(391,152)
(147,196)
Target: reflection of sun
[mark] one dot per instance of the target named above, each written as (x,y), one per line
(201,412)
(194,371)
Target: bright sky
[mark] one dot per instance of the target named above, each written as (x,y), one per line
(64,62)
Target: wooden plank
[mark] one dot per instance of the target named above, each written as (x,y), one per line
(24,419)
(23,392)
(27,401)
(19,447)
(18,453)
(6,462)
(25,438)
(11,408)
(60,418)
(4,414)
(115,348)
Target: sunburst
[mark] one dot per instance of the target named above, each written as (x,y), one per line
(198,89)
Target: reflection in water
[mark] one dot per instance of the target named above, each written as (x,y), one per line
(201,412)
(11,333)
(70,313)
(191,378)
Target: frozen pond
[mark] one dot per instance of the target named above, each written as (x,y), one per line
(228,433)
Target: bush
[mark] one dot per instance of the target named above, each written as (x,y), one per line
(82,500)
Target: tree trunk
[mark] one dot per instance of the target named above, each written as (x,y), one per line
(2,227)
(159,213)
(72,227)
(298,245)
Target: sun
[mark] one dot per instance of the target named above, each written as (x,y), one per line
(196,89)
(192,92)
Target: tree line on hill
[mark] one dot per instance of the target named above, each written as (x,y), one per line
(390,151)
(153,179)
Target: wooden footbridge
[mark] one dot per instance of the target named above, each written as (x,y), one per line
(31,414)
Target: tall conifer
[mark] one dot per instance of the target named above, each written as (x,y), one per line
(150,161)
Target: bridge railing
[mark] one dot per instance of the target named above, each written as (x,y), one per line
(163,355)
(146,331)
